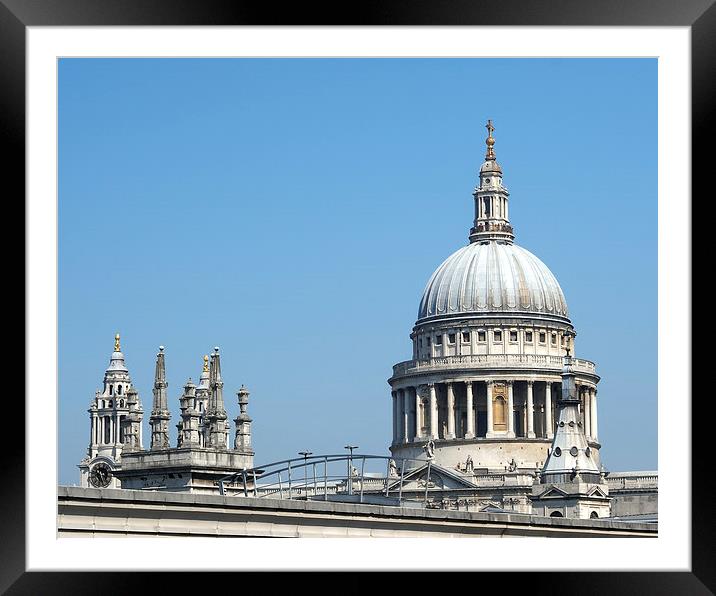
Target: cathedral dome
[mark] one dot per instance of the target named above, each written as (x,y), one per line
(490,278)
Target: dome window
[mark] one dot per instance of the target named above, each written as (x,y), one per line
(513,336)
(429,341)
(451,338)
(542,337)
(497,334)
(465,336)
(554,339)
(528,337)
(481,336)
(438,340)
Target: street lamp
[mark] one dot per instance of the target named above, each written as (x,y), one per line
(305,464)
(349,481)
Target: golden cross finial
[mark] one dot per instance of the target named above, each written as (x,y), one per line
(489,141)
(206,363)
(116,343)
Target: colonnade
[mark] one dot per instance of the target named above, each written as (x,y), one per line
(106,429)
(459,410)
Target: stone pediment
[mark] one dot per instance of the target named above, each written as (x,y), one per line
(552,492)
(597,492)
(440,477)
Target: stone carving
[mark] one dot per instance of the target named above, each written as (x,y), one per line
(469,466)
(393,468)
(430,449)
(513,466)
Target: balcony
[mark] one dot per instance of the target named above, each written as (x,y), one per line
(536,362)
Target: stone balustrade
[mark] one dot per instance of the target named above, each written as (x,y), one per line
(491,361)
(617,481)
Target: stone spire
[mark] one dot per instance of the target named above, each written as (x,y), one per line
(201,402)
(188,428)
(571,483)
(570,453)
(216,414)
(132,432)
(159,419)
(242,440)
(491,200)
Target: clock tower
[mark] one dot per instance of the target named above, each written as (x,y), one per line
(115,424)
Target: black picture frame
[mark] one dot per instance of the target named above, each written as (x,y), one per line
(17,15)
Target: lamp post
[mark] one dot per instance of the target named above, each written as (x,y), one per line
(305,464)
(349,481)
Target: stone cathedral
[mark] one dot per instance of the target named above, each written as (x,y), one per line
(116,457)
(484,385)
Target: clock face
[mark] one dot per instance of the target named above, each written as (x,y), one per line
(100,475)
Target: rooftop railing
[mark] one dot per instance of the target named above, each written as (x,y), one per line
(323,476)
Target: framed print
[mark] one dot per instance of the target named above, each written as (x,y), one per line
(268,197)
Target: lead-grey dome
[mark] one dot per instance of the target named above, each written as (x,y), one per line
(492,278)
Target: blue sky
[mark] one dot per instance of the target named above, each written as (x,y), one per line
(291,211)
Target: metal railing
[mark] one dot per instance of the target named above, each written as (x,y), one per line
(325,476)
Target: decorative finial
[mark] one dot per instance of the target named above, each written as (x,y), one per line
(116,343)
(216,349)
(206,364)
(161,348)
(490,141)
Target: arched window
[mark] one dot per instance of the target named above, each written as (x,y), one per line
(556,514)
(593,515)
(119,390)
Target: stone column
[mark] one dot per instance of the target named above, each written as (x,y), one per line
(587,412)
(510,409)
(490,417)
(450,412)
(418,432)
(530,411)
(548,420)
(93,431)
(470,432)
(395,416)
(406,410)
(433,412)
(593,402)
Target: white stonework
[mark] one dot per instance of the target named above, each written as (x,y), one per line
(116,457)
(488,344)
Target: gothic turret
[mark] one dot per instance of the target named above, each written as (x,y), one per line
(132,424)
(571,483)
(159,419)
(202,394)
(115,413)
(216,413)
(242,440)
(188,435)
